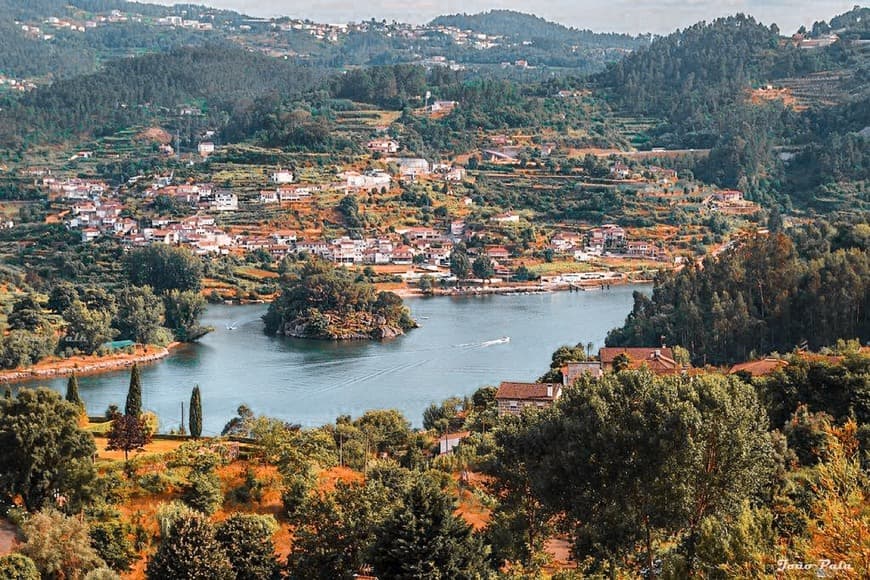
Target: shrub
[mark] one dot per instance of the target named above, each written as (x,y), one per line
(18,567)
(203,492)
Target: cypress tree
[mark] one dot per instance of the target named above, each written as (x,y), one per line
(195,413)
(72,391)
(134,394)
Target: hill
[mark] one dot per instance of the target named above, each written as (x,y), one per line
(519,25)
(133,91)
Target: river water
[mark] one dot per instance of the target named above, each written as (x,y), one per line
(456,350)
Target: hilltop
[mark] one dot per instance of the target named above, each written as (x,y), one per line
(522,26)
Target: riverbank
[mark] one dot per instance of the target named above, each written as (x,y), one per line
(557,284)
(87,364)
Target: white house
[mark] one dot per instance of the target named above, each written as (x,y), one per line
(412,166)
(448,441)
(225,201)
(282,176)
(368,180)
(205,148)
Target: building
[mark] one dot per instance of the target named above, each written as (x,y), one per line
(269,196)
(497,253)
(382,146)
(411,166)
(368,180)
(729,196)
(282,176)
(225,201)
(566,241)
(606,237)
(512,398)
(658,360)
(506,218)
(443,106)
(448,441)
(205,149)
(572,372)
(759,368)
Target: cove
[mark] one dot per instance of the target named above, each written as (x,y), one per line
(455,351)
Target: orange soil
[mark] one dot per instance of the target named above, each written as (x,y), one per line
(156,446)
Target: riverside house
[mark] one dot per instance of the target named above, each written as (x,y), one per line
(512,397)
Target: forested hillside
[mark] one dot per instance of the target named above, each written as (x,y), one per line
(772,293)
(520,25)
(134,90)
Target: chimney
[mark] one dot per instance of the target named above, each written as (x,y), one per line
(550,390)
(658,353)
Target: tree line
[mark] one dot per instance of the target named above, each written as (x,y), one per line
(764,295)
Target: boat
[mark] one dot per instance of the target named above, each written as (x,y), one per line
(501,340)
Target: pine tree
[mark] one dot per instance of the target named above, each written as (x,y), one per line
(72,392)
(195,413)
(191,551)
(134,394)
(423,538)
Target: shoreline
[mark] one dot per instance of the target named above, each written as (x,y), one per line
(87,365)
(536,288)
(83,365)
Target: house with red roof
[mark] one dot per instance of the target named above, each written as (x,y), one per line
(513,397)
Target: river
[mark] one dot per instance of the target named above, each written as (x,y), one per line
(455,351)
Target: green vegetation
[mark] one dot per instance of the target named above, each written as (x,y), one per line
(319,300)
(195,413)
(696,475)
(59,461)
(762,296)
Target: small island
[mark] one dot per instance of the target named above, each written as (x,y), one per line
(321,301)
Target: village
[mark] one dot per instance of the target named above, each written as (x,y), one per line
(275,216)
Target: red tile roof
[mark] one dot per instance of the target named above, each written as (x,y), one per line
(528,391)
(607,354)
(759,368)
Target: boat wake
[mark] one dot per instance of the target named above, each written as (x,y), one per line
(502,340)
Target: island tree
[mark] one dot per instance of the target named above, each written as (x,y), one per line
(322,301)
(139,315)
(72,392)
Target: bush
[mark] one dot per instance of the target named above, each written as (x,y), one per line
(190,551)
(110,541)
(102,574)
(251,490)
(18,567)
(60,546)
(203,493)
(247,538)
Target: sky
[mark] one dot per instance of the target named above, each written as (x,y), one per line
(632,16)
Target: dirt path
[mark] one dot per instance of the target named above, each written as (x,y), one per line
(8,537)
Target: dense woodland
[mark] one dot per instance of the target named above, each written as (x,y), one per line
(157,301)
(769,293)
